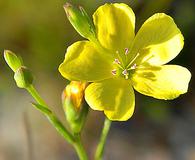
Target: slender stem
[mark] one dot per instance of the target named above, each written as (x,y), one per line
(36,95)
(51,117)
(101,144)
(79,148)
(60,128)
(74,140)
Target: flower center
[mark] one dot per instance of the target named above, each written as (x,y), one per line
(121,68)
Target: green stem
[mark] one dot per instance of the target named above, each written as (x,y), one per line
(73,140)
(50,116)
(100,148)
(36,95)
(60,128)
(79,148)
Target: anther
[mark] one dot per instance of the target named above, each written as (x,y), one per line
(113,72)
(126,51)
(125,73)
(134,66)
(117,61)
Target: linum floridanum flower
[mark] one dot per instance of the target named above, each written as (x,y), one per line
(116,60)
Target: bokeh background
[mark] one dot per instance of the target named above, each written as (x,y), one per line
(40,32)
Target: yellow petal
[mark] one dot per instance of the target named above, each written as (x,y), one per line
(113,96)
(165,82)
(83,62)
(158,41)
(115,25)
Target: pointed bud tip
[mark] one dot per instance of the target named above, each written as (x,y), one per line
(81,9)
(80,20)
(67,5)
(12,60)
(6,52)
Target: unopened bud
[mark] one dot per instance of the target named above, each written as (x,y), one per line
(23,77)
(72,99)
(12,60)
(75,91)
(80,20)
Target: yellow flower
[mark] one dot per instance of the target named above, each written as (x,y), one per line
(117,60)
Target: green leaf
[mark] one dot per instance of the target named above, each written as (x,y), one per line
(41,108)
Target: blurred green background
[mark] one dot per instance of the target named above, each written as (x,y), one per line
(40,32)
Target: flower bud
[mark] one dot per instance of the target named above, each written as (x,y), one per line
(12,60)
(23,77)
(75,91)
(80,21)
(72,98)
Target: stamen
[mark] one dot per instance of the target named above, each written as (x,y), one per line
(120,63)
(133,60)
(117,61)
(126,51)
(114,72)
(134,66)
(148,58)
(125,73)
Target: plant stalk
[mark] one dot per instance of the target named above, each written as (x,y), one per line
(101,145)
(79,148)
(75,140)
